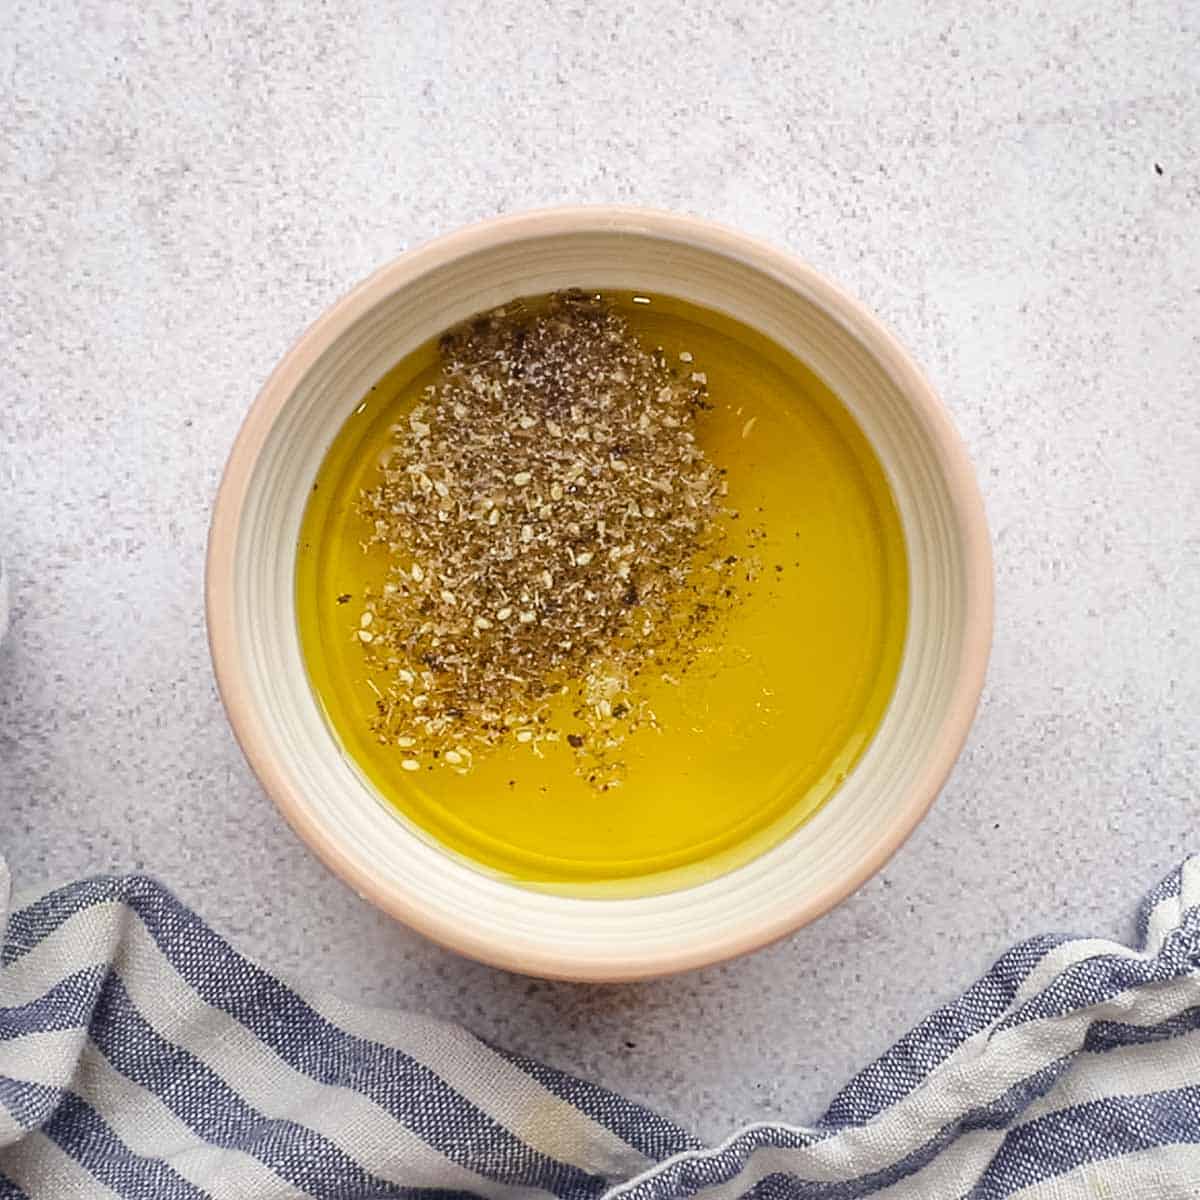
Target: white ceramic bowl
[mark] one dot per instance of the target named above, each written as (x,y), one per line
(256,649)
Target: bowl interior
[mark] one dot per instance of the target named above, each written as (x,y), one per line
(262,674)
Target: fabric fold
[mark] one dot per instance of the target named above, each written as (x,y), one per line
(142,1055)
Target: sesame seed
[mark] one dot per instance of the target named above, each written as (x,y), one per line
(411,764)
(365,635)
(621,478)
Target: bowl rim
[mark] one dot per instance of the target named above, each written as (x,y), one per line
(793,272)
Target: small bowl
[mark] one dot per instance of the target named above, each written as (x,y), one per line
(256,648)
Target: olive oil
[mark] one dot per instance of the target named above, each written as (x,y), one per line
(752,734)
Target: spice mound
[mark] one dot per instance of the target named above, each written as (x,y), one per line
(553,534)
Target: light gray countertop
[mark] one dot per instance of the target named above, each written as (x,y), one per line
(1015,188)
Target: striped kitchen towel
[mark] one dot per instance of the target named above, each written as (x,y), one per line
(142,1056)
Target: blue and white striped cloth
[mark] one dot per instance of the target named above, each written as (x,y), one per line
(142,1056)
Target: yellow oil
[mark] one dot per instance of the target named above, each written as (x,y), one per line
(765,724)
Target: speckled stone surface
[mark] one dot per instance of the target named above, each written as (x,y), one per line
(1015,188)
